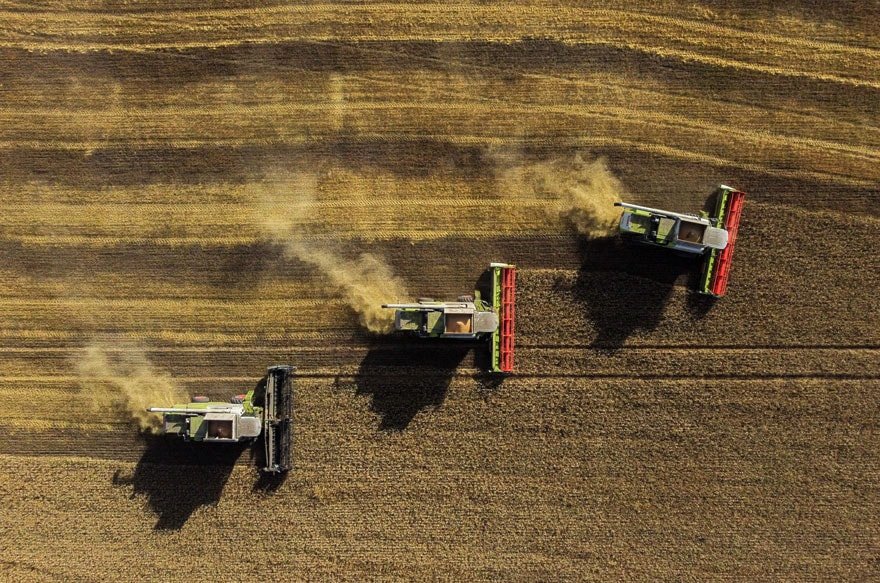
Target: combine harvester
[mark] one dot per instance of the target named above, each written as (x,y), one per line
(265,412)
(714,237)
(469,318)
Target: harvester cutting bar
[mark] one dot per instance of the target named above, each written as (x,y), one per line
(718,266)
(277,418)
(508,317)
(504,302)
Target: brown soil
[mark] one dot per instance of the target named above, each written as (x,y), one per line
(648,433)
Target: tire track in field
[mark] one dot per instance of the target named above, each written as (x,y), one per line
(566,140)
(417,123)
(804,149)
(312,62)
(604,99)
(120,125)
(686,41)
(407,217)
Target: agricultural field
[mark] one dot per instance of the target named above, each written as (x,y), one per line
(192,191)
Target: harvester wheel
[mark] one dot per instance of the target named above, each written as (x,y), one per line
(465,298)
(425,300)
(237,399)
(200,399)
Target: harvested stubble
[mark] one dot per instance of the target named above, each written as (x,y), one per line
(648,434)
(731,468)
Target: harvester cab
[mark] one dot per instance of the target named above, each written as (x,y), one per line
(712,236)
(685,233)
(264,412)
(471,317)
(468,318)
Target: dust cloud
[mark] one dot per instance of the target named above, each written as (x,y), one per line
(365,282)
(579,191)
(120,380)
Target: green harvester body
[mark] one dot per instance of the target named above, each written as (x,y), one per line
(469,318)
(264,412)
(712,237)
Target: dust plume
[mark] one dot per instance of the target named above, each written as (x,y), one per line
(365,282)
(579,192)
(126,383)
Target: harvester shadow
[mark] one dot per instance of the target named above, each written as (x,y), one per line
(700,305)
(487,382)
(404,376)
(490,382)
(625,287)
(178,478)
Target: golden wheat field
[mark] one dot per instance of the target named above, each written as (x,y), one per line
(192,191)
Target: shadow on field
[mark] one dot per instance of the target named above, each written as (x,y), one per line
(700,305)
(242,264)
(625,287)
(403,376)
(178,478)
